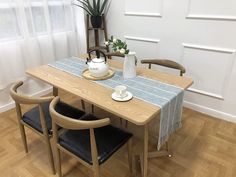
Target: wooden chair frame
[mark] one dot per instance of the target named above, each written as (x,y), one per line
(165,63)
(118,54)
(169,64)
(23,99)
(72,124)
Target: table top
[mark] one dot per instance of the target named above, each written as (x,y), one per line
(135,110)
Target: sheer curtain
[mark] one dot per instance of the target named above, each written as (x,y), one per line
(34,32)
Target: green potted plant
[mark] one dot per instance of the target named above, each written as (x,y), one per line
(94,8)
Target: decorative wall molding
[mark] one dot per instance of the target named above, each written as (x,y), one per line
(213,49)
(209,48)
(157,14)
(12,104)
(143,14)
(211,17)
(220,97)
(211,112)
(207,16)
(142,39)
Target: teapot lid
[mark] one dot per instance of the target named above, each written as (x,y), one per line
(98,60)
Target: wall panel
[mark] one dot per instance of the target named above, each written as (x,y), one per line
(149,8)
(212,9)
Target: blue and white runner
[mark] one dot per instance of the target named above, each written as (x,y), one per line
(168,97)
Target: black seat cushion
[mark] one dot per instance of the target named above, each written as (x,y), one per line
(32,117)
(109,139)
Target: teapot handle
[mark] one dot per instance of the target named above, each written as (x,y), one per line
(98,52)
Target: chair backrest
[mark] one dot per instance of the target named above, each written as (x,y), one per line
(73,124)
(118,54)
(165,63)
(23,99)
(115,54)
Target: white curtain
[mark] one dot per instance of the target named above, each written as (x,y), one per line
(32,33)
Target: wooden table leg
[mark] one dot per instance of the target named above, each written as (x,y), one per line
(55,91)
(145,151)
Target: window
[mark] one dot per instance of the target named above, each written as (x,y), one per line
(20,18)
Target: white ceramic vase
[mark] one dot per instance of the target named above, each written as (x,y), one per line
(129,68)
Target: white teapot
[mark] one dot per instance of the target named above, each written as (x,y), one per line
(97,66)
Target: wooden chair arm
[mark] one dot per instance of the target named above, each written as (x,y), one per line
(166,63)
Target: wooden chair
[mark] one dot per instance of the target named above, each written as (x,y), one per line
(114,54)
(168,64)
(165,63)
(118,54)
(38,118)
(89,140)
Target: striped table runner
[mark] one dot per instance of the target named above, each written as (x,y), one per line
(168,97)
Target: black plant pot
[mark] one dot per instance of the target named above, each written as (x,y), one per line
(96,21)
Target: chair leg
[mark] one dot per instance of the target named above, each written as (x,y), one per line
(50,156)
(83,104)
(23,137)
(58,161)
(130,156)
(126,124)
(95,170)
(92,108)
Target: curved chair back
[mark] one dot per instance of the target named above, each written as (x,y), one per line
(114,54)
(118,54)
(165,63)
(23,99)
(74,124)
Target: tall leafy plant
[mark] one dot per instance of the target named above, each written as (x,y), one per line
(93,7)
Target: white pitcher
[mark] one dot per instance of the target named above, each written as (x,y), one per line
(129,68)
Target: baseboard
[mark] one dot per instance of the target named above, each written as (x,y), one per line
(12,104)
(211,112)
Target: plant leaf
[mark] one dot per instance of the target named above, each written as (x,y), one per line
(103,6)
(90,8)
(84,3)
(95,7)
(98,7)
(83,8)
(87,6)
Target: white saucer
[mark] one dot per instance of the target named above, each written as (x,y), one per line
(127,98)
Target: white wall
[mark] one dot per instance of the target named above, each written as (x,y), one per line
(200,34)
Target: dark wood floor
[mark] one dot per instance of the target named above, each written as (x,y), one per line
(203,147)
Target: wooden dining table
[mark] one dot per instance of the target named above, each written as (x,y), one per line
(135,111)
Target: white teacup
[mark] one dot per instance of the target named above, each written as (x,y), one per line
(120,91)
